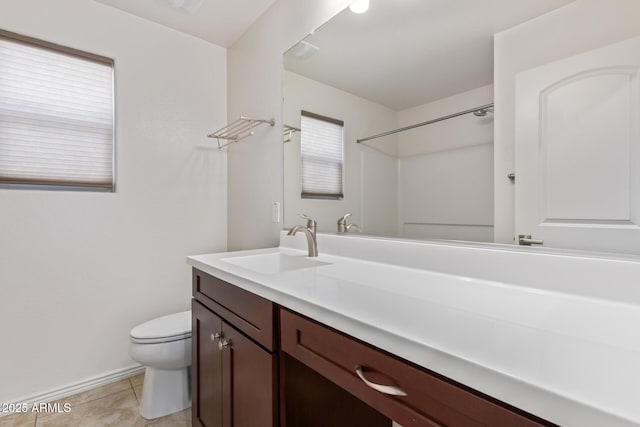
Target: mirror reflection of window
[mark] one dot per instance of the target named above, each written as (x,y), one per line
(322,156)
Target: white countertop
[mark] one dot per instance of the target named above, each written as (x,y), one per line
(569,357)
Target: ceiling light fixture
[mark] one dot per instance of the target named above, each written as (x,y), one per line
(359,6)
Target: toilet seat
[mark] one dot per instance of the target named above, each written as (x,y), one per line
(159,340)
(174,327)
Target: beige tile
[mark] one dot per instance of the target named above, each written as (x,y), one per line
(18,420)
(179,419)
(138,391)
(137,380)
(96,393)
(118,409)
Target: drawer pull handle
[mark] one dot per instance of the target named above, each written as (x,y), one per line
(222,344)
(216,336)
(386,389)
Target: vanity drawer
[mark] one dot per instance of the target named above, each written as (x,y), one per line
(430,400)
(251,314)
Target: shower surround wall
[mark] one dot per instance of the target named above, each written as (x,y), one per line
(445,181)
(79,269)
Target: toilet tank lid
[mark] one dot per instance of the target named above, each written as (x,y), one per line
(166,326)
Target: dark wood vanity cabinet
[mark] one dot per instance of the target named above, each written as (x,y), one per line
(258,365)
(234,374)
(206,368)
(410,395)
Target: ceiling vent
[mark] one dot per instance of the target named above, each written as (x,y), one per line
(189,6)
(303,50)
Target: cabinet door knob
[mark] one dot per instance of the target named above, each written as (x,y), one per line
(222,344)
(386,389)
(216,336)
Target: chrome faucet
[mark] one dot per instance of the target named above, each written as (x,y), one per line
(343,227)
(309,231)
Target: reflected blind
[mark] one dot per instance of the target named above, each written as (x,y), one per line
(56,115)
(321,151)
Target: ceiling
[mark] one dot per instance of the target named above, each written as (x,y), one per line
(404,53)
(220,22)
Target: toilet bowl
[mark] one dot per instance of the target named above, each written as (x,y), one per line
(163,346)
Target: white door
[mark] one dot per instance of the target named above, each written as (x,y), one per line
(578,150)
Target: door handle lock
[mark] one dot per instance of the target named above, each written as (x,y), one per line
(526,240)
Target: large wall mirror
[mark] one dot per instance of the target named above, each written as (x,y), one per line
(405,63)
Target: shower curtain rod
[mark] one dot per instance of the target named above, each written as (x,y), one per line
(428,122)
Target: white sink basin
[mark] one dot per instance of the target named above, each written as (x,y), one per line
(273,263)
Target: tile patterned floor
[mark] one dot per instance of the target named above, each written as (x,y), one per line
(115,404)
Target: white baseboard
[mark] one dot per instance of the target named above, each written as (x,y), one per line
(71,389)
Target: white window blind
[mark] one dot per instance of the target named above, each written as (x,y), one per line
(56,115)
(321,151)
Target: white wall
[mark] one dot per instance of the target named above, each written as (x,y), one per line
(255,88)
(578,27)
(379,189)
(78,269)
(445,181)
(364,168)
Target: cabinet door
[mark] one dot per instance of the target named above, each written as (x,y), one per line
(248,382)
(206,379)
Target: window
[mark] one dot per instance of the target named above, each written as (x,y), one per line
(56,116)
(321,151)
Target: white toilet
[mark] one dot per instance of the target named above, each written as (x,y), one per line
(163,346)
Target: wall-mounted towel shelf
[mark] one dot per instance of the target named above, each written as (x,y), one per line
(288,132)
(239,129)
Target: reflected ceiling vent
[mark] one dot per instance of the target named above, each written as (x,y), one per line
(303,50)
(189,6)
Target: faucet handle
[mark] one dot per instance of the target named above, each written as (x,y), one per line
(311,223)
(343,219)
(343,227)
(342,223)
